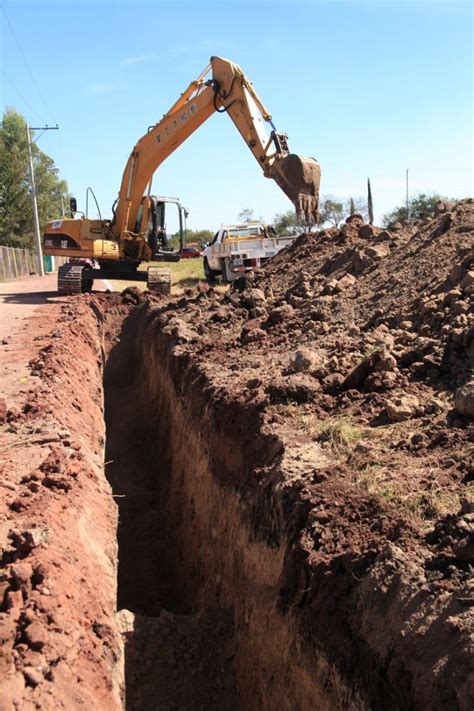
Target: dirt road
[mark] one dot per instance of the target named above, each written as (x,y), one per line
(25,304)
(22,298)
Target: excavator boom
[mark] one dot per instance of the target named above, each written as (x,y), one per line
(137,232)
(228,90)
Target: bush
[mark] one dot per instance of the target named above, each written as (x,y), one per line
(421,207)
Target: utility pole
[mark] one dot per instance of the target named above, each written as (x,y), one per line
(33,194)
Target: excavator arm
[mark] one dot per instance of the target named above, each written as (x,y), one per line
(229,91)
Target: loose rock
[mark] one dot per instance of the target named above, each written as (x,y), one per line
(402,408)
(464,400)
(305,360)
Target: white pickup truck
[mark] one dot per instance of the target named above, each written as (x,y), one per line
(236,249)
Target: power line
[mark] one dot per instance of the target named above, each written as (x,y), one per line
(21,96)
(27,65)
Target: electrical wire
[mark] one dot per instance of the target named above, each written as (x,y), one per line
(27,65)
(23,97)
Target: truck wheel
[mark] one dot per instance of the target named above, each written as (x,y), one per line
(211,276)
(228,275)
(159,280)
(72,279)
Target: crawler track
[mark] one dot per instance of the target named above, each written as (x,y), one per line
(72,279)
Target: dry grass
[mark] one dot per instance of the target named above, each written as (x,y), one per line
(341,436)
(428,503)
(184,275)
(339,433)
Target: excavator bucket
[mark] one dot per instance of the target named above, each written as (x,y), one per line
(299,178)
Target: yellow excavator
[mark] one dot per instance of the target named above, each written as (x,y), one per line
(113,249)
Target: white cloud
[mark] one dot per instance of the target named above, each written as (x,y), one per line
(139,59)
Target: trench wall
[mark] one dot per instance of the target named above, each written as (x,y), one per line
(218,476)
(360,630)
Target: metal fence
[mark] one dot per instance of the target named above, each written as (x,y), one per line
(15,263)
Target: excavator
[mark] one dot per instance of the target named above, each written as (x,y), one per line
(114,248)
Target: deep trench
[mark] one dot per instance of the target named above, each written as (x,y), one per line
(178,654)
(202,552)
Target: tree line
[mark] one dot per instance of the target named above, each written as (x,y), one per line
(16,211)
(334,212)
(16,214)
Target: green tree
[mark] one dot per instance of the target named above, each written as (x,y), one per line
(245,215)
(421,207)
(288,223)
(285,223)
(16,213)
(331,211)
(199,237)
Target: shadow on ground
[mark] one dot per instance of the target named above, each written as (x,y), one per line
(32,297)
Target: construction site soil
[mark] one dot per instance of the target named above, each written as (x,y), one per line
(256,499)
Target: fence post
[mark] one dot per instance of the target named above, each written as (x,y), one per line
(16,262)
(10,264)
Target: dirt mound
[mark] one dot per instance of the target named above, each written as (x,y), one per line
(357,344)
(292,462)
(373,328)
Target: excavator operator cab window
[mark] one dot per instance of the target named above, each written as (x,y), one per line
(165,228)
(160,215)
(160,223)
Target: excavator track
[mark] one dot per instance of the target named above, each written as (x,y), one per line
(71,280)
(159,280)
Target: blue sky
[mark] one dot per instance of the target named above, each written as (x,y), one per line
(368,88)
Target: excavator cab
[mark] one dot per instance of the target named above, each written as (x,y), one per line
(165,227)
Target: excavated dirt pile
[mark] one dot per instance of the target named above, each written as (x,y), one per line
(289,465)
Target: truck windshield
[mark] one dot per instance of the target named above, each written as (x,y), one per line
(244,231)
